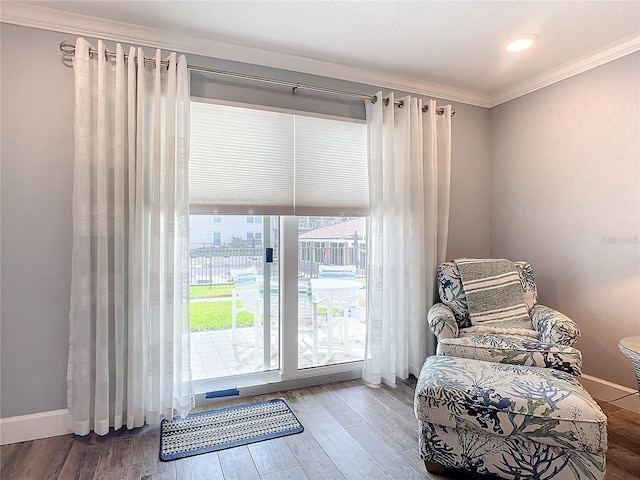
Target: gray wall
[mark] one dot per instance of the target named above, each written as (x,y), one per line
(470,179)
(565,194)
(37,180)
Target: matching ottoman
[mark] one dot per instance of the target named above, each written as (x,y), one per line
(512,421)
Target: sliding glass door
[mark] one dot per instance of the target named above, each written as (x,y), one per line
(234,272)
(278,244)
(332,290)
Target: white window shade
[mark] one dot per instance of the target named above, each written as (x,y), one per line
(254,161)
(240,160)
(331,167)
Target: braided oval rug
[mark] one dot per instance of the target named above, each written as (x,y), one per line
(226,427)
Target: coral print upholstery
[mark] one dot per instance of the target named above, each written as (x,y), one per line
(544,339)
(512,421)
(515,350)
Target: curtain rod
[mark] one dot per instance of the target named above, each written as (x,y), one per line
(68,49)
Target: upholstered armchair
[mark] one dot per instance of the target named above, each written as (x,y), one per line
(547,342)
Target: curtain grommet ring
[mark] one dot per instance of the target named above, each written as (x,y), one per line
(67,48)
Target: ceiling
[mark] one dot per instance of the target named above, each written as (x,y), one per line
(453,49)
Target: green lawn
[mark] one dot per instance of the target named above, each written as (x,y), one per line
(210,291)
(215,316)
(213,291)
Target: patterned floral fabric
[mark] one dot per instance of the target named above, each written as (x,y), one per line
(513,349)
(529,290)
(553,326)
(451,292)
(510,420)
(510,458)
(442,321)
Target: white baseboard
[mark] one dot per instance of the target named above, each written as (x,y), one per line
(31,427)
(612,393)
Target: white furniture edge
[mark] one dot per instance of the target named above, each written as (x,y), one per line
(39,17)
(50,424)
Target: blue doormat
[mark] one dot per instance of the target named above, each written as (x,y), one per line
(225,428)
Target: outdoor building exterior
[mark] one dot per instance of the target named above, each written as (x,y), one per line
(225,230)
(342,243)
(220,243)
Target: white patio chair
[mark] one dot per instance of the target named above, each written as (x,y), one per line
(348,300)
(246,297)
(344,272)
(308,318)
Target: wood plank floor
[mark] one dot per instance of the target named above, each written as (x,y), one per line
(352,431)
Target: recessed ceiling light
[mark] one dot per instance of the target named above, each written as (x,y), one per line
(521,43)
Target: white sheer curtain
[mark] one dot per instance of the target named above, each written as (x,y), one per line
(409,177)
(129,316)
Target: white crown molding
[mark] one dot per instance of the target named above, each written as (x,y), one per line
(599,57)
(38,17)
(19,13)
